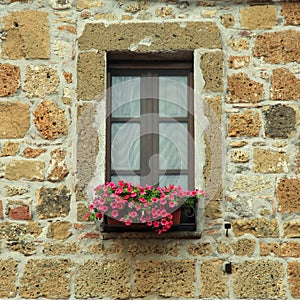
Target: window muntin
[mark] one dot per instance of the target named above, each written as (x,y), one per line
(150,113)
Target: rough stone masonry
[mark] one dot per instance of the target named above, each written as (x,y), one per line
(52,90)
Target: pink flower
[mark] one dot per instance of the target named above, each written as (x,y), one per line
(128,222)
(133,214)
(115,213)
(112,185)
(156,224)
(99,215)
(149,223)
(143,200)
(172,204)
(87,215)
(92,206)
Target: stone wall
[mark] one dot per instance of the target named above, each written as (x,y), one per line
(52,93)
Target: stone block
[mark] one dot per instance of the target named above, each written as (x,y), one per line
(261,279)
(50,120)
(8,278)
(48,278)
(293,271)
(260,228)
(90,75)
(239,156)
(1,210)
(291,12)
(284,85)
(61,5)
(280,121)
(259,17)
(251,184)
(15,190)
(247,123)
(9,79)
(15,120)
(40,81)
(59,230)
(238,62)
(25,169)
(68,77)
(87,143)
(167,278)
(69,28)
(213,280)
(244,247)
(168,36)
(103,278)
(238,44)
(242,89)
(227,20)
(86,4)
(288,195)
(201,249)
(82,210)
(57,169)
(212,69)
(10,149)
(53,202)
(153,248)
(286,249)
(278,47)
(291,229)
(270,161)
(13,232)
(33,153)
(61,248)
(28,35)
(19,212)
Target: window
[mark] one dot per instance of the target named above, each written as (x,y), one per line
(150,122)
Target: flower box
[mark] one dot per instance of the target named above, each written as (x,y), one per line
(125,205)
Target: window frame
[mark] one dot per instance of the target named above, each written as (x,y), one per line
(146,67)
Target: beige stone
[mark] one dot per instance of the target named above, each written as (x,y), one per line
(40,81)
(258,279)
(244,247)
(167,278)
(237,144)
(9,79)
(8,275)
(165,36)
(15,190)
(15,120)
(25,169)
(284,85)
(240,156)
(151,248)
(82,210)
(287,194)
(33,153)
(49,278)
(213,280)
(238,62)
(294,278)
(287,249)
(90,76)
(208,13)
(259,17)
(165,11)
(61,248)
(238,44)
(278,47)
(270,161)
(93,279)
(70,28)
(86,4)
(59,230)
(27,35)
(224,248)
(227,20)
(244,124)
(291,12)
(291,229)
(50,120)
(10,149)
(257,227)
(201,249)
(57,169)
(212,69)
(242,89)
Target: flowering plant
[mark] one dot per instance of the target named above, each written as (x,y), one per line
(148,205)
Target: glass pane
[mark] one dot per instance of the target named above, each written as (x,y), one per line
(181,180)
(125,146)
(173,96)
(135,179)
(173,146)
(125,95)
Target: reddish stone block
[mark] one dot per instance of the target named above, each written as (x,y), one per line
(20,213)
(1,214)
